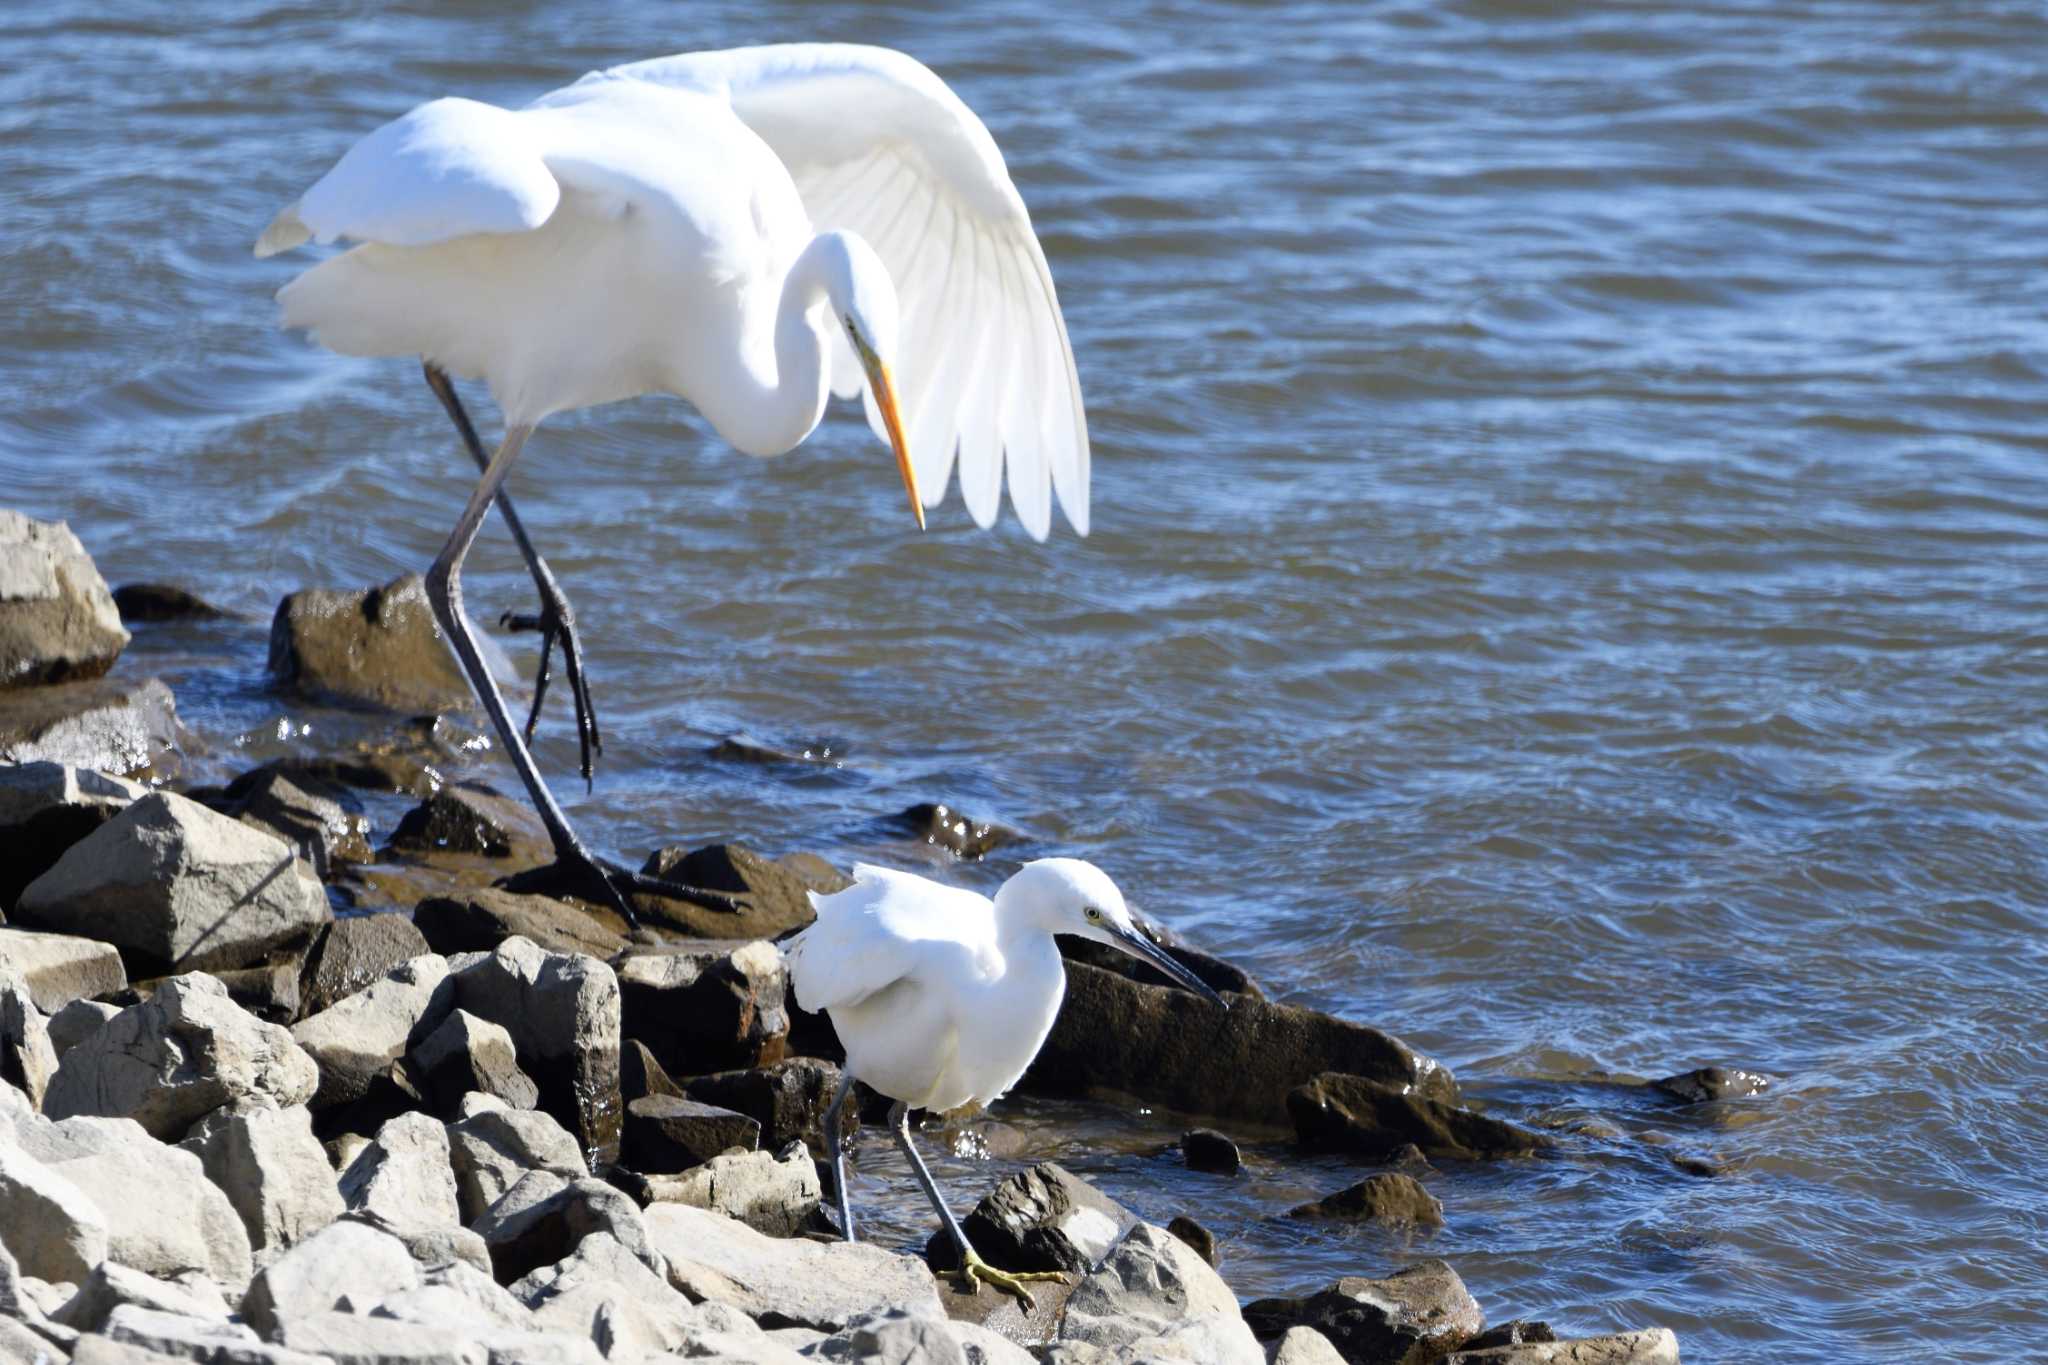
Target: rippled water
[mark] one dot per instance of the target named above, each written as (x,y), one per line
(1568,583)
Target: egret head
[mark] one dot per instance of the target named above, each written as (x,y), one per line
(1069,896)
(863,302)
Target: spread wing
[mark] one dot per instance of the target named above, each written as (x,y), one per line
(880,930)
(879,145)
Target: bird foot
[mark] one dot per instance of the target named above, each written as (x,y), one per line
(973,1269)
(556,621)
(575,872)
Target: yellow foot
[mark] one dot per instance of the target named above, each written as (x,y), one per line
(973,1268)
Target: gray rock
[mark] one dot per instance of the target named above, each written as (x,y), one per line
(788,1099)
(435,1247)
(543,1218)
(183,1053)
(45,808)
(1305,1346)
(344,1260)
(479,920)
(467,1054)
(1649,1346)
(324,831)
(493,1148)
(178,887)
(172,1336)
(778,1283)
(19,1343)
(1043,1218)
(1415,1313)
(562,1011)
(58,622)
(604,1292)
(769,1195)
(346,1339)
(273,1171)
(404,1179)
(78,1021)
(1154,1293)
(640,1075)
(54,1229)
(1375,1121)
(356,1041)
(666,1134)
(1710,1083)
(379,647)
(28,1060)
(351,954)
(110,1285)
(901,1339)
(707,1005)
(457,1295)
(111,726)
(1388,1198)
(60,968)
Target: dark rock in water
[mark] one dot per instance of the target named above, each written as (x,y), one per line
(467,1054)
(640,1074)
(1415,1314)
(130,728)
(1389,1198)
(139,602)
(178,887)
(1649,1346)
(1374,1120)
(943,827)
(378,647)
(364,770)
(772,894)
(478,921)
(1205,1149)
(469,818)
(667,1133)
(1044,1218)
(1173,1048)
(45,808)
(1514,1332)
(351,953)
(787,1099)
(323,830)
(1195,1235)
(708,1005)
(827,753)
(57,969)
(1712,1083)
(57,620)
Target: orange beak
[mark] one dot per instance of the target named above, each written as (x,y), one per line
(885,399)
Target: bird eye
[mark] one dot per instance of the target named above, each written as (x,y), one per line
(1093,913)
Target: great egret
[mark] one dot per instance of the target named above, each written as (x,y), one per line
(749,230)
(942,996)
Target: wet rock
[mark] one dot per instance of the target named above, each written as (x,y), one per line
(54,1229)
(45,808)
(479,920)
(154,602)
(943,827)
(1386,1198)
(641,1075)
(1205,1149)
(110,1286)
(1224,977)
(344,1260)
(379,647)
(1514,1332)
(351,953)
(775,1195)
(1043,1218)
(1651,1346)
(183,1053)
(1373,1120)
(357,1040)
(471,818)
(1154,1296)
(707,1005)
(123,726)
(903,1339)
(57,619)
(28,1060)
(562,1011)
(1414,1314)
(78,1021)
(785,1283)
(743,748)
(272,1169)
(543,1218)
(468,1054)
(492,1149)
(1712,1083)
(772,894)
(665,1133)
(604,1291)
(1305,1346)
(787,1099)
(318,826)
(178,887)
(1173,1048)
(1195,1235)
(60,968)
(404,1178)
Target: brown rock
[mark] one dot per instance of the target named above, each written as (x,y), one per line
(787,1099)
(470,818)
(1373,1120)
(139,602)
(1195,1235)
(1413,1315)
(479,920)
(1387,1198)
(770,896)
(1042,1218)
(1205,1149)
(379,647)
(1710,1083)
(707,1005)
(57,620)
(1649,1346)
(351,953)
(664,1133)
(943,827)
(640,1074)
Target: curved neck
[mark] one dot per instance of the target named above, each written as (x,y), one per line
(775,393)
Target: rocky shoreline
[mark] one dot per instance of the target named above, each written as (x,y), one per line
(281,1085)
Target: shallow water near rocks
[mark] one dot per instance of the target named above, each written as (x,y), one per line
(1568,579)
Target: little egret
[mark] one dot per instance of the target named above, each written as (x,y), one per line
(750,230)
(942,996)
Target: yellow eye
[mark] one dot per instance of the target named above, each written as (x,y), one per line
(1093,913)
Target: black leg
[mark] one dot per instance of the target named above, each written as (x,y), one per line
(835,1147)
(972,1267)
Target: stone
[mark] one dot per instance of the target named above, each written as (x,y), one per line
(899,1338)
(157,602)
(481,919)
(467,1054)
(344,1260)
(1171,1047)
(1205,1149)
(272,1169)
(78,1021)
(769,896)
(788,1099)
(491,1150)
(543,1219)
(773,1195)
(1416,1313)
(61,968)
(28,1060)
(111,725)
(350,1339)
(454,1295)
(639,1075)
(1386,1198)
(111,1285)
(20,1343)
(1710,1083)
(603,1291)
(707,1005)
(959,834)
(356,1041)
(162,1215)
(404,1178)
(1225,978)
(562,1011)
(1374,1121)
(349,954)
(471,818)
(1305,1346)
(1650,1346)
(1199,1239)
(183,1053)
(173,1336)
(45,808)
(1513,1332)
(665,1134)
(54,1229)
(319,826)
(378,647)
(1154,1289)
(1042,1218)
(270,989)
(785,1283)
(58,622)
(178,887)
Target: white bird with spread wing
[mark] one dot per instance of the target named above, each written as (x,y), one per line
(942,997)
(750,230)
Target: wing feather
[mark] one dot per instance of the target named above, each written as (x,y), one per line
(869,936)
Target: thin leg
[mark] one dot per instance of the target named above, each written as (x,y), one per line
(972,1267)
(556,618)
(834,1147)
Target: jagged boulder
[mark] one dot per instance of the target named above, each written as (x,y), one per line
(492,1149)
(350,953)
(60,968)
(404,1179)
(28,1059)
(1417,1313)
(1154,1297)
(377,647)
(768,897)
(1041,1218)
(358,1039)
(707,1005)
(58,622)
(788,1099)
(562,1012)
(111,725)
(772,1194)
(346,1260)
(1389,1197)
(272,1169)
(45,808)
(467,1055)
(479,920)
(543,1218)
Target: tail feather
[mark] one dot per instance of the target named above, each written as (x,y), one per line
(285,232)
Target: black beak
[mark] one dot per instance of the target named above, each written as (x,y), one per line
(1145,950)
